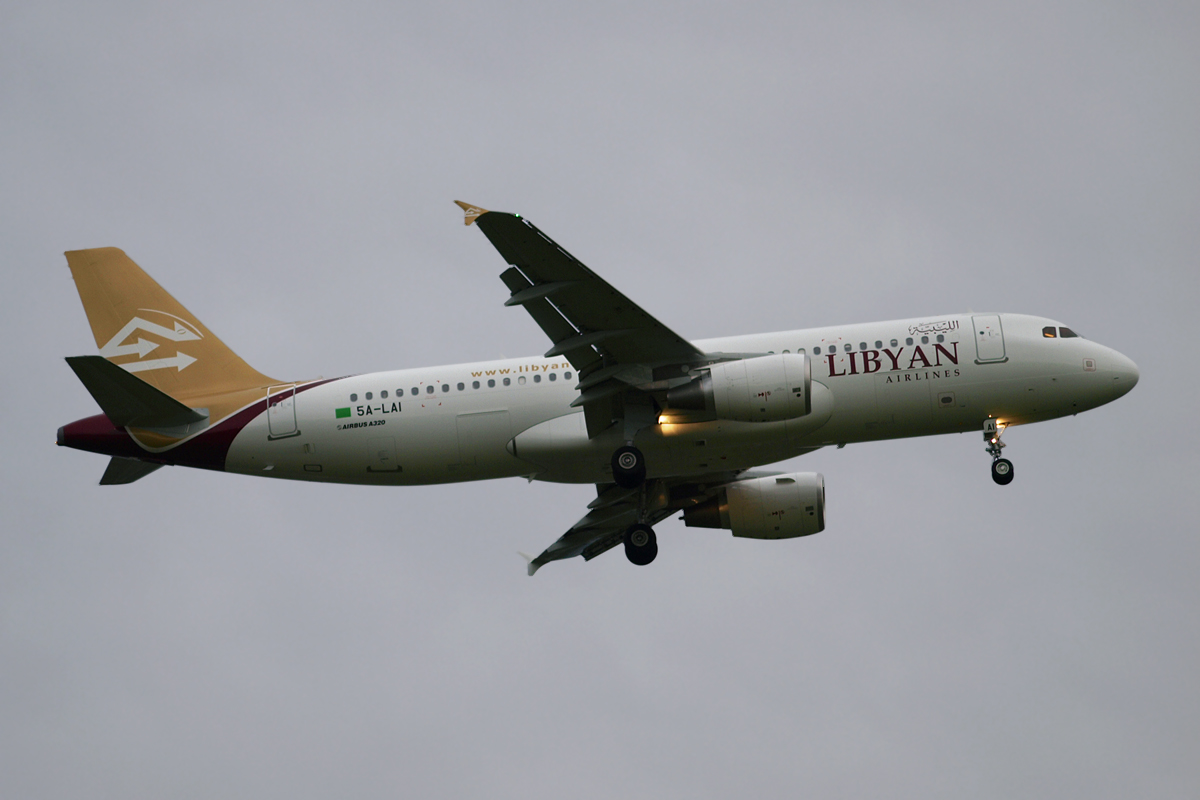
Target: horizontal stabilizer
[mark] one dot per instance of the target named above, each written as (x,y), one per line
(126,470)
(127,400)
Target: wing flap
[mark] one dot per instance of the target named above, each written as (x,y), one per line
(554,324)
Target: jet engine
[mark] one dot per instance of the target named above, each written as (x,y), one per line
(763,389)
(775,507)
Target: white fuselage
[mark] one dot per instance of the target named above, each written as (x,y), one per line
(464,422)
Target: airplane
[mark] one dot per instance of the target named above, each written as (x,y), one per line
(660,424)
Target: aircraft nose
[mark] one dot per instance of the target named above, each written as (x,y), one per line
(1125,374)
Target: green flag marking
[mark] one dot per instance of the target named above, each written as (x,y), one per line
(342,412)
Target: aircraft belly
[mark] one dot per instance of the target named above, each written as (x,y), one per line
(563,453)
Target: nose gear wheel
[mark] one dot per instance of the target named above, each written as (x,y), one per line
(1002,468)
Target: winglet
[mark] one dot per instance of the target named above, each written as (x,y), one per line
(473,212)
(529,559)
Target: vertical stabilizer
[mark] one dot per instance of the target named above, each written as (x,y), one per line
(140,327)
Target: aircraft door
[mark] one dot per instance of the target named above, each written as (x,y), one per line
(989,339)
(281,412)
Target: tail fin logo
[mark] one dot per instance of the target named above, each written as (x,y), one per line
(176,330)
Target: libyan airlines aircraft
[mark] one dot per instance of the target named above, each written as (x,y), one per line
(658,423)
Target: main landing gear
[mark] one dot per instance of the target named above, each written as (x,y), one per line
(1002,468)
(641,545)
(628,467)
(629,472)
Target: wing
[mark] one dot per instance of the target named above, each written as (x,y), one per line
(614,345)
(615,509)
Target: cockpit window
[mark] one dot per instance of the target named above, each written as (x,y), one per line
(1049,332)
(1067,333)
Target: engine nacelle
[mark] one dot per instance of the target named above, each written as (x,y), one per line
(763,389)
(776,507)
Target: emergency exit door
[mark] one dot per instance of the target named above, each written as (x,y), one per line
(281,412)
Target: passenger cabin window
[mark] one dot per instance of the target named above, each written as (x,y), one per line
(878,344)
(492,383)
(414,391)
(369,395)
(924,340)
(445,387)
(353,398)
(817,350)
(1049,332)
(862,345)
(908,341)
(461,387)
(429,389)
(383,395)
(521,380)
(847,347)
(537,378)
(895,343)
(1067,333)
(566,376)
(941,338)
(508,381)
(553,376)
(474,384)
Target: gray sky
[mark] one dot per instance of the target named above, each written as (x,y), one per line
(286,170)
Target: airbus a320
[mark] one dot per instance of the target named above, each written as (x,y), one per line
(660,424)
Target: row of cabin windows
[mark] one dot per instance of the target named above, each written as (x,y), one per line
(491,384)
(878,344)
(1048,332)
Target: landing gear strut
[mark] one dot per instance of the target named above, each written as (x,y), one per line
(641,545)
(1002,468)
(629,467)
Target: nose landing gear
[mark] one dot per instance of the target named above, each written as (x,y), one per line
(1002,468)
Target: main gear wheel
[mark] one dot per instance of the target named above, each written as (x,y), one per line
(628,467)
(641,545)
